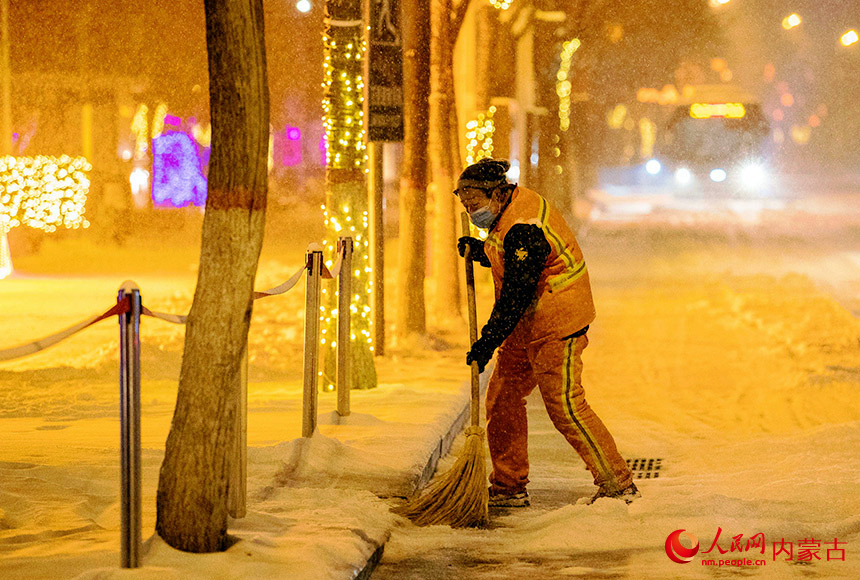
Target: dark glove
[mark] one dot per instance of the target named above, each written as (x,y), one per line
(481,353)
(477,247)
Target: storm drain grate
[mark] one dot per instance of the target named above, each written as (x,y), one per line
(645,468)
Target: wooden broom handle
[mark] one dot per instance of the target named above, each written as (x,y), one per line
(473,323)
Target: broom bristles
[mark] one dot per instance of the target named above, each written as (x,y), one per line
(458,498)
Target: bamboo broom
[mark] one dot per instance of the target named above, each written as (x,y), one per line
(460,497)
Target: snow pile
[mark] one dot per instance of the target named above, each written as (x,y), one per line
(311,534)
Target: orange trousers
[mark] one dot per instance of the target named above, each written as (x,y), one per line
(555,366)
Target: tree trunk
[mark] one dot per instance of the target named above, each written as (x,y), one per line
(445,163)
(5,256)
(411,316)
(193,483)
(346,185)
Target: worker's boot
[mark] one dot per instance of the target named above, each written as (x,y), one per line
(628,495)
(502,499)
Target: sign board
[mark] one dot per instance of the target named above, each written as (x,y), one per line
(384,71)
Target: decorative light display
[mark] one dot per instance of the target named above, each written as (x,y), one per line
(648,136)
(138,179)
(202,134)
(346,211)
(343,103)
(158,119)
(292,149)
(140,128)
(479,137)
(616,117)
(562,84)
(177,180)
(43,192)
(501,4)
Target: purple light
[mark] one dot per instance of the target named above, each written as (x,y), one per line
(177,180)
(291,150)
(172,120)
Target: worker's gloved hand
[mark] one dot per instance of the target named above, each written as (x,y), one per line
(481,353)
(477,247)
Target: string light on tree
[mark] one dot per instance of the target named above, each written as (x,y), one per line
(140,128)
(158,119)
(479,137)
(562,85)
(41,192)
(501,4)
(345,211)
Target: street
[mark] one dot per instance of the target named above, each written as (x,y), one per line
(715,350)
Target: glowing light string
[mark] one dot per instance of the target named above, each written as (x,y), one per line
(345,213)
(43,192)
(562,85)
(479,137)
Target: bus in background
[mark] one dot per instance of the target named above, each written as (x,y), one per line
(709,151)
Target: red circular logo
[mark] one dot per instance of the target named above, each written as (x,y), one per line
(676,551)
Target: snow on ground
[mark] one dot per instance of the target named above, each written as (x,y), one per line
(314,508)
(744,383)
(722,352)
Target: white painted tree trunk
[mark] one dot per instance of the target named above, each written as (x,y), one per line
(192,498)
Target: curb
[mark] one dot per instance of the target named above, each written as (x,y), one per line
(364,573)
(439,451)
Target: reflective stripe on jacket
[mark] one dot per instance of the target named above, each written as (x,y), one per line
(563,303)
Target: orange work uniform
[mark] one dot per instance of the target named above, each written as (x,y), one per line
(544,350)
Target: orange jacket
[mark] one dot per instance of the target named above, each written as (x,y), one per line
(563,303)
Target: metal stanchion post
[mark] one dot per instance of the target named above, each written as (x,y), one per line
(129,387)
(344,331)
(312,333)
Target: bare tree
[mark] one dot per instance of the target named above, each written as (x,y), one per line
(193,483)
(446,19)
(413,181)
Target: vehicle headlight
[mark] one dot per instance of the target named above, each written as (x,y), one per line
(753,175)
(653,167)
(683,176)
(718,175)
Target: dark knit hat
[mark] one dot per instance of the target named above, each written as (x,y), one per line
(487,173)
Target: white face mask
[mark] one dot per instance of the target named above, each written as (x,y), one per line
(483,217)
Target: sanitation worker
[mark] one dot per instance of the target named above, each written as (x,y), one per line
(539,325)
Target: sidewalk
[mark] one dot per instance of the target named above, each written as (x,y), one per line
(316,507)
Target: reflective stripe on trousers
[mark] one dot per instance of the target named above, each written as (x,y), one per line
(555,366)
